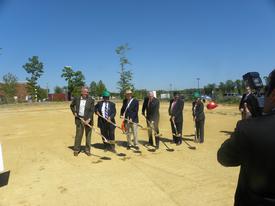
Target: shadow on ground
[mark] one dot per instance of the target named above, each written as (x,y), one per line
(226,132)
(188,139)
(98,146)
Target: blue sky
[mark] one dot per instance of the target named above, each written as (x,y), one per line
(172,41)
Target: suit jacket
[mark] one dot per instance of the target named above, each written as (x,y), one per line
(199,111)
(89,108)
(252,104)
(151,109)
(241,105)
(111,112)
(193,108)
(177,110)
(144,105)
(132,110)
(251,146)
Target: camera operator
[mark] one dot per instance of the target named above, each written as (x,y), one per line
(249,105)
(251,146)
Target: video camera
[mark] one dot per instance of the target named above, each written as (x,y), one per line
(254,81)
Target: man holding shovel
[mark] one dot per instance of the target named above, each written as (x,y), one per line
(176,117)
(151,107)
(106,111)
(129,113)
(199,118)
(83,109)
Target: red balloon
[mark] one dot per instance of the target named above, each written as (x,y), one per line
(211,105)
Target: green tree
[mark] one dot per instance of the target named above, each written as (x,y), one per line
(9,87)
(140,93)
(93,88)
(126,76)
(230,86)
(222,88)
(58,90)
(239,84)
(42,93)
(35,68)
(75,81)
(209,88)
(78,82)
(100,88)
(68,74)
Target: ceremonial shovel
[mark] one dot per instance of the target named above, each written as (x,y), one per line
(94,129)
(178,135)
(168,148)
(104,138)
(111,122)
(130,121)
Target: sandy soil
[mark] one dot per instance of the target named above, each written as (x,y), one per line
(35,140)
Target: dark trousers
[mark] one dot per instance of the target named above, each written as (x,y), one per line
(108,131)
(156,132)
(177,130)
(78,136)
(200,130)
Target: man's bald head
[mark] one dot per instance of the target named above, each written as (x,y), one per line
(151,95)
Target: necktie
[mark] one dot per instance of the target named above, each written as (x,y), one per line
(106,110)
(149,102)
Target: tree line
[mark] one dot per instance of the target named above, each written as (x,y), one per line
(229,86)
(74,78)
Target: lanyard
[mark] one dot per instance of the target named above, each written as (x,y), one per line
(128,105)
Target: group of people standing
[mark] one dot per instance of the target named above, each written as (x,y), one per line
(251,145)
(84,107)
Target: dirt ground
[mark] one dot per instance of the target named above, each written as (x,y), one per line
(36,139)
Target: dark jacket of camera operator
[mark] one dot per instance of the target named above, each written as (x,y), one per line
(251,101)
(251,146)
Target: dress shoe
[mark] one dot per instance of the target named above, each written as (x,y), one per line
(128,147)
(112,149)
(76,153)
(88,153)
(157,146)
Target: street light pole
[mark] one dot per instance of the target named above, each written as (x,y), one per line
(170,92)
(198,79)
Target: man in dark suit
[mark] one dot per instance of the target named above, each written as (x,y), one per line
(151,108)
(199,118)
(176,117)
(129,112)
(83,108)
(106,111)
(249,105)
(251,146)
